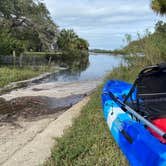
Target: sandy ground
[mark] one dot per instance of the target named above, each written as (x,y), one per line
(31,144)
(26,142)
(58,89)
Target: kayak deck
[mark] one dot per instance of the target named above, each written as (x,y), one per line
(139,146)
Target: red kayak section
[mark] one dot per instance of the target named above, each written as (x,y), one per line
(161,124)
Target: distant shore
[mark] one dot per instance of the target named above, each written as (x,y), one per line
(110,52)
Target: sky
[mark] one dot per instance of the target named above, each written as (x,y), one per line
(104,23)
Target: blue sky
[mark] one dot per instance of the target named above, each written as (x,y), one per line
(104,22)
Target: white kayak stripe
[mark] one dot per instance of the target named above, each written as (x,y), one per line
(113,114)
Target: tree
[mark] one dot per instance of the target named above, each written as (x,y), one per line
(9,43)
(82,44)
(30,22)
(159,6)
(67,39)
(128,38)
(72,46)
(160,27)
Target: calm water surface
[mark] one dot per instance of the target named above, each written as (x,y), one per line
(98,67)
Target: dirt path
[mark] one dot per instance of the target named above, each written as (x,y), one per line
(27,140)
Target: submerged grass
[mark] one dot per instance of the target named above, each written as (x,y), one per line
(88,141)
(8,74)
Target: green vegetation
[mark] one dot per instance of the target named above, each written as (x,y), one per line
(9,43)
(89,141)
(8,75)
(151,46)
(28,22)
(159,6)
(26,26)
(54,55)
(28,33)
(68,39)
(71,45)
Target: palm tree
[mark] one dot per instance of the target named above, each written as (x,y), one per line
(159,6)
(67,39)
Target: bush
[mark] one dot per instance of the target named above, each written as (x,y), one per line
(8,44)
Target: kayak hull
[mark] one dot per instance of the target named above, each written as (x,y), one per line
(139,146)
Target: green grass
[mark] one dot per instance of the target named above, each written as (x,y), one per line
(88,141)
(8,74)
(127,74)
(55,54)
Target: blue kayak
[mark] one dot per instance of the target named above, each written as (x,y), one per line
(139,146)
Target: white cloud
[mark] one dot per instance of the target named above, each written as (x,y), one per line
(100,21)
(83,8)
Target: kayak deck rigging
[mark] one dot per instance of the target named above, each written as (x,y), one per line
(136,117)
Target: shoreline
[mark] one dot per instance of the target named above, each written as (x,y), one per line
(23,83)
(94,146)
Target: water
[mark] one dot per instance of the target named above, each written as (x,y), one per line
(98,67)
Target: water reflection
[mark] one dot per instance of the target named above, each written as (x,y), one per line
(92,68)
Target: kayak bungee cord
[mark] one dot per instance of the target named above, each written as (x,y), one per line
(125,108)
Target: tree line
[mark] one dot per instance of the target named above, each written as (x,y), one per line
(26,25)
